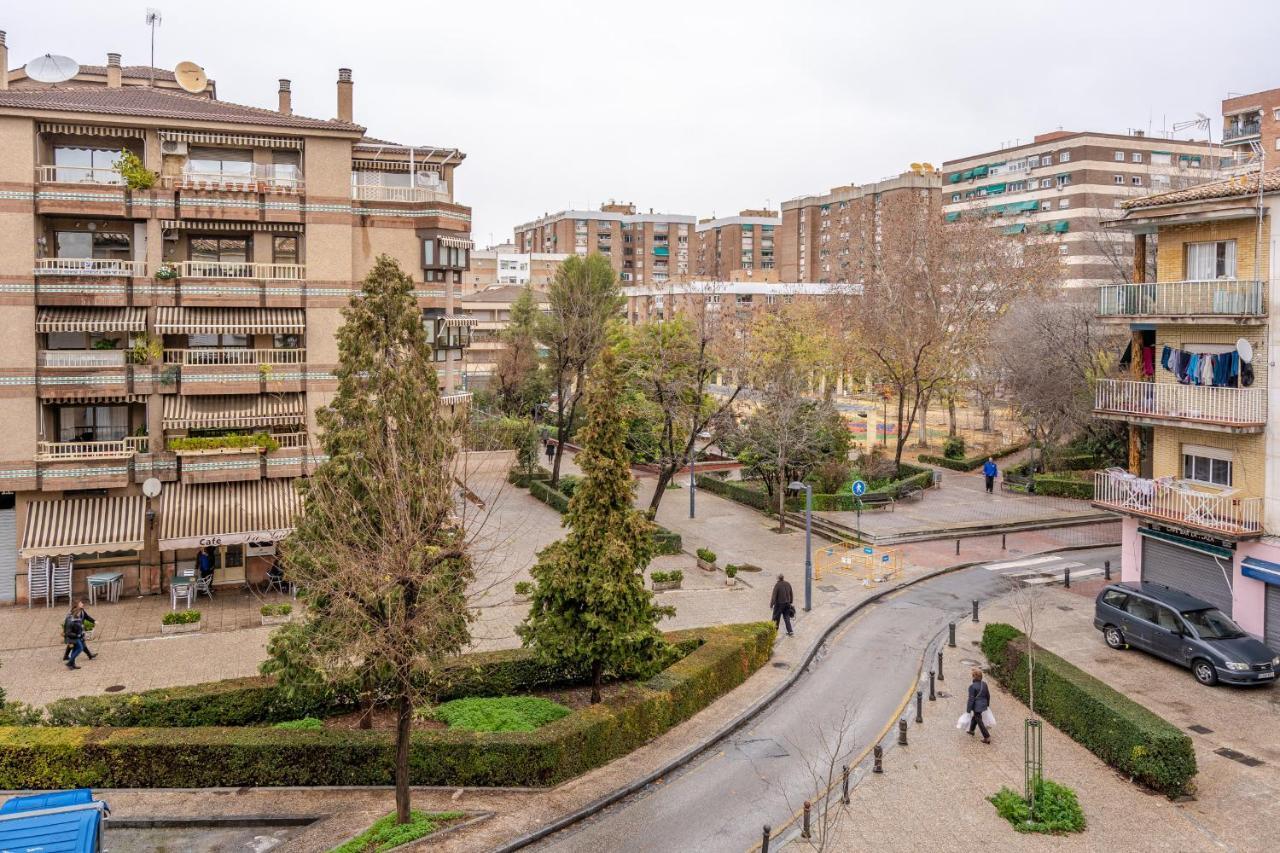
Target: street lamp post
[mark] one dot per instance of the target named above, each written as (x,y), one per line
(808,541)
(693,454)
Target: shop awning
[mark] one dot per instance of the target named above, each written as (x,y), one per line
(1261,570)
(84,526)
(233,412)
(192,516)
(91,320)
(966,174)
(230,321)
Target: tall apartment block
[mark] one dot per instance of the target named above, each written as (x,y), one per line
(1064,185)
(644,248)
(137,318)
(834,237)
(1249,120)
(1200,498)
(735,243)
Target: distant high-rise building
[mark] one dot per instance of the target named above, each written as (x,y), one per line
(732,243)
(644,248)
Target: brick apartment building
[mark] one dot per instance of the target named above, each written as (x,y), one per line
(1064,184)
(834,237)
(732,243)
(203,306)
(1249,119)
(644,248)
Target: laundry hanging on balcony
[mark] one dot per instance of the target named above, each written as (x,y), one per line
(1223,370)
(1148,359)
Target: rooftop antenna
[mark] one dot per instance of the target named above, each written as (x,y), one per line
(153,21)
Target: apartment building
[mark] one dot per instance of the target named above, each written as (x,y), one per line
(138,319)
(729,244)
(503,265)
(490,309)
(644,248)
(1200,499)
(1252,120)
(1065,184)
(836,237)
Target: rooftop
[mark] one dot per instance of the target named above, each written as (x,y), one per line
(1242,185)
(1055,139)
(133,72)
(501,293)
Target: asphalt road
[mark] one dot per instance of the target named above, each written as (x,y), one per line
(763,774)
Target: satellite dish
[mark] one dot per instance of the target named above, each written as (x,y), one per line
(151,488)
(191,77)
(928,167)
(52,68)
(916,167)
(1245,349)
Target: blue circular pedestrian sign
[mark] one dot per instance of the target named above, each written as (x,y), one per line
(859,488)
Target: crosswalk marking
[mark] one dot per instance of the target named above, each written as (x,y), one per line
(1040,570)
(1043,579)
(1037,571)
(1016,564)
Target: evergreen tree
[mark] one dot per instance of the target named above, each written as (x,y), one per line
(521,381)
(589,606)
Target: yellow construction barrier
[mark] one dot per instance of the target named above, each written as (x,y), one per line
(865,562)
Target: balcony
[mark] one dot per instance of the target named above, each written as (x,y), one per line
(239,269)
(399,195)
(63,374)
(1189,505)
(95,267)
(252,357)
(75,451)
(62,465)
(1212,301)
(234,371)
(78,175)
(89,358)
(1241,131)
(1233,410)
(258,178)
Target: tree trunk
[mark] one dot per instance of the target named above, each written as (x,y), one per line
(782,493)
(922,440)
(562,436)
(366,710)
(986,413)
(597,678)
(665,475)
(900,440)
(404,719)
(953,427)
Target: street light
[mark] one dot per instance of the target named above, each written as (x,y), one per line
(808,540)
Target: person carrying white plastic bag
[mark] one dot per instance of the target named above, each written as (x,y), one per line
(977,712)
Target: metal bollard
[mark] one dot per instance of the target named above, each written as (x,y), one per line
(919,706)
(1066,577)
(1106,569)
(764,843)
(951,635)
(902,732)
(957,547)
(804,832)
(940,678)
(1002,543)
(878,757)
(844,796)
(932,695)
(975,610)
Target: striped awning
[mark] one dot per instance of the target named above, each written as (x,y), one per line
(193,516)
(233,412)
(202,137)
(84,526)
(230,321)
(117,400)
(231,225)
(369,165)
(92,130)
(461,321)
(456,242)
(91,320)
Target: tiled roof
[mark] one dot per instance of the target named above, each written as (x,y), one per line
(374,142)
(502,293)
(140,72)
(1230,188)
(157,103)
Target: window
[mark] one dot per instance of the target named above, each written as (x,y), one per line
(1046,183)
(284,250)
(287,341)
(1064,249)
(222,341)
(1168,620)
(1136,181)
(93,423)
(223,250)
(1211,260)
(1064,202)
(286,166)
(220,161)
(1115,598)
(1137,156)
(1119,156)
(1140,608)
(1206,465)
(1046,160)
(1064,157)
(76,164)
(1161,158)
(955,196)
(81,340)
(92,244)
(1117,179)
(1063,180)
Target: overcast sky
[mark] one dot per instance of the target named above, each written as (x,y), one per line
(694,107)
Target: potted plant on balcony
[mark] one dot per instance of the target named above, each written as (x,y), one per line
(180,622)
(145,350)
(706,559)
(167,272)
(105,343)
(276,614)
(663,581)
(136,175)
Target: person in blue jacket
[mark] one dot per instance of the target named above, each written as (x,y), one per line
(989,470)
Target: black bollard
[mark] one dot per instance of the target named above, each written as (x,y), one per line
(975,610)
(902,732)
(804,832)
(919,706)
(951,635)
(844,772)
(1106,569)
(932,695)
(957,547)
(1002,544)
(1066,577)
(878,754)
(764,843)
(940,678)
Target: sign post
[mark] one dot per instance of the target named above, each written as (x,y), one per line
(859,489)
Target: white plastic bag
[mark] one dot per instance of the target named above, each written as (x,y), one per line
(988,719)
(965,719)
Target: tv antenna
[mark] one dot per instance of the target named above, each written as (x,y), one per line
(52,68)
(153,21)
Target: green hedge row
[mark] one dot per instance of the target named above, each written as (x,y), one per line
(1112,726)
(665,541)
(517,477)
(971,463)
(1062,487)
(44,758)
(916,478)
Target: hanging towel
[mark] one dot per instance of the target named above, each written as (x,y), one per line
(1164,357)
(1148,361)
(1206,369)
(1222,369)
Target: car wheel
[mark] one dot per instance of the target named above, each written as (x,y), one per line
(1113,637)
(1204,672)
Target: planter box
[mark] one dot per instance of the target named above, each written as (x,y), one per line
(517,598)
(705,566)
(663,586)
(277,620)
(187,628)
(730,581)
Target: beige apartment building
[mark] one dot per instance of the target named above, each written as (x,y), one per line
(204,306)
(835,237)
(490,309)
(1065,185)
(503,265)
(644,248)
(729,244)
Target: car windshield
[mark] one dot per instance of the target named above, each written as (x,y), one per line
(1212,624)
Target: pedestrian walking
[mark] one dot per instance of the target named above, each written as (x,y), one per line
(989,470)
(551,451)
(780,601)
(73,635)
(979,702)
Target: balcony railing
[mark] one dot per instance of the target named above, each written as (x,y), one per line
(66,451)
(455,398)
(1191,404)
(1242,130)
(1179,502)
(80,358)
(89,266)
(373,192)
(1212,298)
(77,175)
(290,439)
(235,356)
(236,269)
(261,177)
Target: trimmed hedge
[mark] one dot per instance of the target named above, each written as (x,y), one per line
(666,541)
(45,758)
(1112,726)
(517,477)
(735,491)
(971,463)
(544,492)
(1063,487)
(917,478)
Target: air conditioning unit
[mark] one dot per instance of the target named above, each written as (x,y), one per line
(173,147)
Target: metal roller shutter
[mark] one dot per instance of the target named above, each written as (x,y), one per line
(9,554)
(1271,622)
(1192,572)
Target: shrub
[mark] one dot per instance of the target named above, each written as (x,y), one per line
(1057,809)
(306,724)
(706,555)
(970,463)
(499,714)
(1118,730)
(524,588)
(522,479)
(386,834)
(549,496)
(953,447)
(136,175)
(664,577)
(180,617)
(568,483)
(731,571)
(276,609)
(214,442)
(736,491)
(1054,486)
(666,541)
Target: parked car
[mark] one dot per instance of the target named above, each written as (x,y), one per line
(1184,630)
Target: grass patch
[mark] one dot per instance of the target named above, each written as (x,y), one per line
(1057,810)
(386,833)
(180,617)
(499,714)
(303,725)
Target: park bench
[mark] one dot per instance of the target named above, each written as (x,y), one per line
(877,500)
(911,493)
(1018,483)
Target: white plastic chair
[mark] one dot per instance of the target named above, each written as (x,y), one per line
(60,579)
(38,580)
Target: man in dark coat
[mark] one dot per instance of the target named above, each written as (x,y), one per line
(979,701)
(73,636)
(781,603)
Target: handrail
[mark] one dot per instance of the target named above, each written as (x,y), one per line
(260,176)
(81,358)
(375,192)
(1179,502)
(1202,403)
(1224,297)
(89,266)
(55,451)
(139,443)
(235,356)
(290,440)
(78,175)
(238,269)
(455,398)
